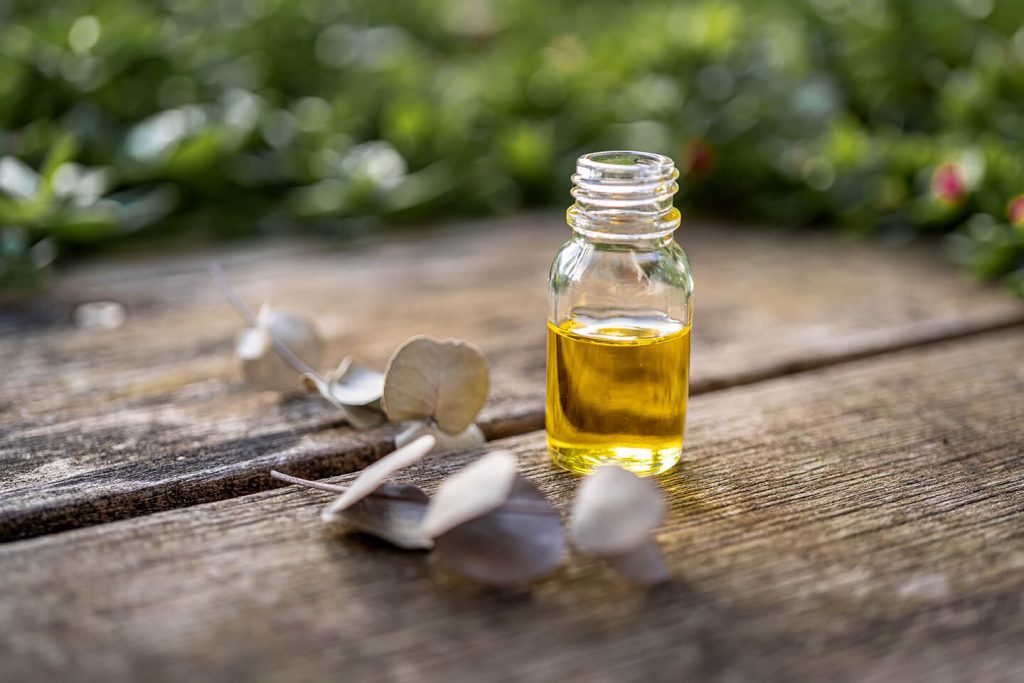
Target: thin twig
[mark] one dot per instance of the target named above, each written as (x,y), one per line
(236,301)
(333,488)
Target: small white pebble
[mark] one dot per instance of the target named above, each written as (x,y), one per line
(100,315)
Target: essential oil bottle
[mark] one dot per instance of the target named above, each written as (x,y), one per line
(619,322)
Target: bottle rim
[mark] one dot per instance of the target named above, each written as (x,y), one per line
(625,166)
(624,193)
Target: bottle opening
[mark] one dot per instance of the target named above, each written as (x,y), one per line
(624,195)
(623,166)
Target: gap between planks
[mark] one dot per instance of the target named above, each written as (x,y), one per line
(743,378)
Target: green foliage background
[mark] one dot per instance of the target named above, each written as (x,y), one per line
(226,117)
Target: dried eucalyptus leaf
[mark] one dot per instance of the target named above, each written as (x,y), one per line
(359,416)
(362,418)
(642,565)
(353,388)
(475,490)
(355,384)
(446,380)
(446,443)
(615,512)
(262,366)
(519,541)
(392,512)
(376,474)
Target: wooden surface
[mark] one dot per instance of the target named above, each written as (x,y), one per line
(104,425)
(851,506)
(830,526)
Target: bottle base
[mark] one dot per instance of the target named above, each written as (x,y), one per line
(645,462)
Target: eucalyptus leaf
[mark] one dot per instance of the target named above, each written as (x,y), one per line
(614,517)
(446,381)
(473,491)
(642,565)
(615,511)
(262,366)
(519,541)
(446,443)
(360,417)
(392,512)
(355,384)
(376,474)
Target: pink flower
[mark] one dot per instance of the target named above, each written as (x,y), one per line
(948,184)
(1015,210)
(698,158)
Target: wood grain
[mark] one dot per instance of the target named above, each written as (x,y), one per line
(856,523)
(103,425)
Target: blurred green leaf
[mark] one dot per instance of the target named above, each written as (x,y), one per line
(122,115)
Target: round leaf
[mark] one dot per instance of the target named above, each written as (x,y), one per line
(615,512)
(446,381)
(355,384)
(519,541)
(354,389)
(642,565)
(377,473)
(475,490)
(362,418)
(261,365)
(393,512)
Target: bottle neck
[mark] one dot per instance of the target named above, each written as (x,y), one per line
(618,242)
(624,197)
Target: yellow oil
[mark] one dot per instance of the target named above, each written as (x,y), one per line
(616,392)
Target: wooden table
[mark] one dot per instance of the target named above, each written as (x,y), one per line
(851,506)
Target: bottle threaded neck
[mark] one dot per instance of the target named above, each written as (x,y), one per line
(624,195)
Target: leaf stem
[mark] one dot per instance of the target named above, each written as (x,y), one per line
(333,488)
(231,294)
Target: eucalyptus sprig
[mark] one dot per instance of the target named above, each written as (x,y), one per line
(436,387)
(491,524)
(264,366)
(265,336)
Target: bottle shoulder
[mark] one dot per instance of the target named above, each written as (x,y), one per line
(579,258)
(620,280)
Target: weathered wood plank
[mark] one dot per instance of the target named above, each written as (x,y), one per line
(105,425)
(861,522)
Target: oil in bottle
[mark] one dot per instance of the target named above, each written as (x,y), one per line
(617,388)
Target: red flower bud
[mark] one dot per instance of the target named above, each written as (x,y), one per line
(698,158)
(948,184)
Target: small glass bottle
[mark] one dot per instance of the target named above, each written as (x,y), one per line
(619,323)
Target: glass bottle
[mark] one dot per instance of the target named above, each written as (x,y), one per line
(619,322)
